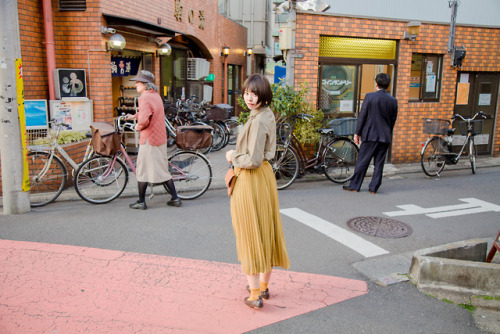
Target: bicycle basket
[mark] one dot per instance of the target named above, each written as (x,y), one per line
(434,126)
(193,137)
(220,112)
(477,127)
(105,139)
(344,126)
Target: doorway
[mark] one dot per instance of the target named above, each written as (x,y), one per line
(478,91)
(233,84)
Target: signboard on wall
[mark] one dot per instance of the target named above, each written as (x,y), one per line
(36,112)
(70,83)
(124,66)
(78,114)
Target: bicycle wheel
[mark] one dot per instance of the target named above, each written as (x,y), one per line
(99,181)
(433,156)
(285,166)
(472,155)
(339,159)
(47,181)
(191,172)
(218,137)
(234,127)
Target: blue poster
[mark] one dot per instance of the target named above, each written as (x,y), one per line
(124,66)
(36,114)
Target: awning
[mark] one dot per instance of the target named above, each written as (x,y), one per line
(134,25)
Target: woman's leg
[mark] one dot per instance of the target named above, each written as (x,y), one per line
(142,186)
(253,283)
(175,200)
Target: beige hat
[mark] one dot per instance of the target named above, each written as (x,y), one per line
(144,76)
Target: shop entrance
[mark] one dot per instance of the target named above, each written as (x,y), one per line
(478,91)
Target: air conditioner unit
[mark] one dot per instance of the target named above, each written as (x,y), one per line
(197,68)
(207,93)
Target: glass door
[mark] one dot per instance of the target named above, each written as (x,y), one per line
(233,84)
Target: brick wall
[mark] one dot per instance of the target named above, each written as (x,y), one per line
(433,38)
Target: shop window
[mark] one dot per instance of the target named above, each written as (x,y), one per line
(425,80)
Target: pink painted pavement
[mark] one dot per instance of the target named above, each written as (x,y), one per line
(47,288)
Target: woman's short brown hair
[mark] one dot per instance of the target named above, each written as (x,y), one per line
(259,85)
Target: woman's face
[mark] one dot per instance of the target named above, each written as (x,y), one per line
(140,86)
(251,100)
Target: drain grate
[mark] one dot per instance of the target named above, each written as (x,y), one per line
(380,227)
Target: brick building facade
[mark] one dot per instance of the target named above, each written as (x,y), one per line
(80,44)
(482,58)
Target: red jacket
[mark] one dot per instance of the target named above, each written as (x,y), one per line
(151,119)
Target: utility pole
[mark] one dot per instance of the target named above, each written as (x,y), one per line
(15,181)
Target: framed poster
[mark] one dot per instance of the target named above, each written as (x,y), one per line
(78,114)
(36,113)
(70,83)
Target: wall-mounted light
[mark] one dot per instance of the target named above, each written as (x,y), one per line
(116,41)
(164,50)
(248,52)
(413,30)
(225,51)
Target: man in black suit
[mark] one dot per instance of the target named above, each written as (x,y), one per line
(375,124)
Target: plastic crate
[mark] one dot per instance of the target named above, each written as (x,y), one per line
(477,127)
(344,126)
(434,126)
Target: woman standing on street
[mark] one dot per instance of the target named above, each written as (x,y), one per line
(152,160)
(255,212)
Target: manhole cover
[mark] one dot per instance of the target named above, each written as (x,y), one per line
(379,227)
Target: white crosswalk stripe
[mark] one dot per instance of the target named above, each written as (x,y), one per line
(349,239)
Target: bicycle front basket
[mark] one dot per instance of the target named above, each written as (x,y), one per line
(344,126)
(435,126)
(105,139)
(477,127)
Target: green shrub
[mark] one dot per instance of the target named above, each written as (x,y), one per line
(287,102)
(65,137)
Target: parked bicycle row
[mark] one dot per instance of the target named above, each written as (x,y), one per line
(219,117)
(103,174)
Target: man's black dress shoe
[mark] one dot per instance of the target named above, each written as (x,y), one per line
(349,189)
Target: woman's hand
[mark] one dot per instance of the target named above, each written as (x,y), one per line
(128,117)
(228,155)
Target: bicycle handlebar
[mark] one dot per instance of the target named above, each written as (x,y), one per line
(479,113)
(122,124)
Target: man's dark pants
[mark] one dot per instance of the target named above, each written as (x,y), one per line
(370,149)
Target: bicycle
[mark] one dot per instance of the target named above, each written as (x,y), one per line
(437,150)
(102,179)
(336,155)
(47,172)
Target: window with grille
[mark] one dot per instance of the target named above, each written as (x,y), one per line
(72,5)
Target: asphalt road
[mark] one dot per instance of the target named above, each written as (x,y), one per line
(201,229)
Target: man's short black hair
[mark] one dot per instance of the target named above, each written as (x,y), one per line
(383,80)
(259,85)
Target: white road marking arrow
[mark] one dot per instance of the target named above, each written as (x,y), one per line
(473,205)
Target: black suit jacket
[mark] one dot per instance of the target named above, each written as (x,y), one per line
(377,117)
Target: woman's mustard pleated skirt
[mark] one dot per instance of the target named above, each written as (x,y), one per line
(260,242)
